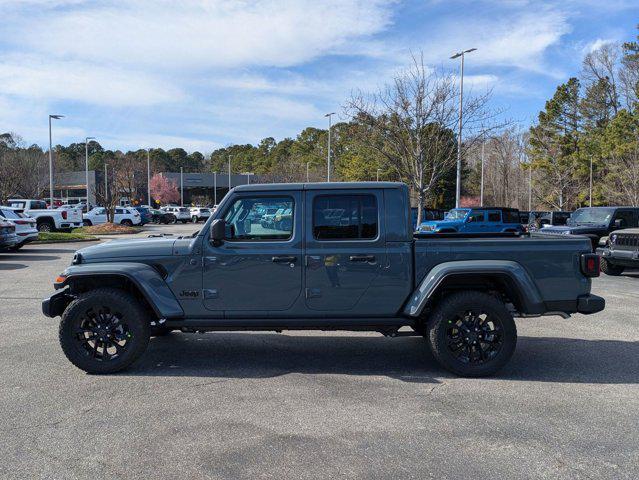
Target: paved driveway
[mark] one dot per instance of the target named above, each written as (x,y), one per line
(316,405)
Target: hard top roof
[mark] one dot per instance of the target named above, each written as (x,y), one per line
(316,186)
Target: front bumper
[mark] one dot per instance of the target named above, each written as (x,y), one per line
(626,258)
(55,305)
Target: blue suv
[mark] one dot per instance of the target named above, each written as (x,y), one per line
(475,220)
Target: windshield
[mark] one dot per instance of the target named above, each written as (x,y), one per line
(456,214)
(591,215)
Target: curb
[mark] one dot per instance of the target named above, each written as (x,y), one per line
(43,242)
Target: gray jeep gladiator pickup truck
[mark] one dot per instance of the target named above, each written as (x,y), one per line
(345,258)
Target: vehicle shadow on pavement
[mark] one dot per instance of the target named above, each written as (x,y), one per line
(11,266)
(257,355)
(26,257)
(574,360)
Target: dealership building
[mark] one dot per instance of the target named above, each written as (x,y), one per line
(71,187)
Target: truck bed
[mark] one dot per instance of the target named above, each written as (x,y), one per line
(552,261)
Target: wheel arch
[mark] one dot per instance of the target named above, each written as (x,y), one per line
(508,279)
(143,281)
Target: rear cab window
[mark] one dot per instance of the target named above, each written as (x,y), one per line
(345,217)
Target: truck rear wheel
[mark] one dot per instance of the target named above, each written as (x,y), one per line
(471,334)
(46,226)
(610,269)
(104,331)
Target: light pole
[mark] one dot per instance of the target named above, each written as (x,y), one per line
(214,188)
(529,186)
(590,189)
(181,186)
(481,188)
(229,173)
(307,164)
(86,165)
(378,174)
(148,176)
(328,154)
(459,134)
(56,117)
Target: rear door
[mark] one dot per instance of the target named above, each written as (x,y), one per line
(475,222)
(493,221)
(345,250)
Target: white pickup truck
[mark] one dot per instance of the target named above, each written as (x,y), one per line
(48,220)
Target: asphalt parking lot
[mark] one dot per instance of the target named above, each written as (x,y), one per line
(316,405)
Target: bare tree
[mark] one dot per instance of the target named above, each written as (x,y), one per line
(411,123)
(24,169)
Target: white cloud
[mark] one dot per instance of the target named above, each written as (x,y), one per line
(35,78)
(202,34)
(515,37)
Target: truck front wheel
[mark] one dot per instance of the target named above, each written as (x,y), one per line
(471,334)
(104,330)
(610,269)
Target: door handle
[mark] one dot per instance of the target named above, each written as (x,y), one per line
(284,259)
(362,258)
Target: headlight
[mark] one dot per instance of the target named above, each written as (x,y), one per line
(613,238)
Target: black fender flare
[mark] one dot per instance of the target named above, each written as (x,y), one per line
(146,278)
(528,296)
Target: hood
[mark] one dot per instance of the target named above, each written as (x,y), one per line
(573,229)
(436,223)
(135,247)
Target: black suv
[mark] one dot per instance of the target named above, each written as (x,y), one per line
(597,222)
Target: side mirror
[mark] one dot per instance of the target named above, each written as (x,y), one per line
(619,223)
(217,231)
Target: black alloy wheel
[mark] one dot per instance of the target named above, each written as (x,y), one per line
(104,330)
(471,333)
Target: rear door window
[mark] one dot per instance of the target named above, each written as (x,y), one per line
(345,217)
(494,216)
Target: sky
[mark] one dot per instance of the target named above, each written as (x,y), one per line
(204,74)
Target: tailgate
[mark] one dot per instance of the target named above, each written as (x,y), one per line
(74,215)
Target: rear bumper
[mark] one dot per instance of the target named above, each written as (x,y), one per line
(70,225)
(585,304)
(590,303)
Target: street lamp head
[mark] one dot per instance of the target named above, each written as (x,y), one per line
(57,117)
(459,54)
(86,140)
(329,114)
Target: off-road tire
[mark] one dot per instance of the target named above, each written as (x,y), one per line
(455,304)
(611,269)
(126,222)
(117,300)
(87,223)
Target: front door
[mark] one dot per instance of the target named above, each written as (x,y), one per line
(345,250)
(258,267)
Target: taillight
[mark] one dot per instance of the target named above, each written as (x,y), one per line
(590,264)
(64,214)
